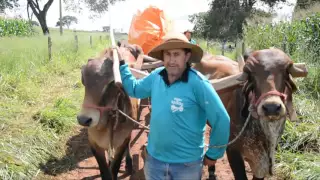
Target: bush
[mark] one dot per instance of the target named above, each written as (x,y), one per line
(300,39)
(15,27)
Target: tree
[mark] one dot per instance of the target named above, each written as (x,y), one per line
(4,4)
(225,18)
(41,15)
(96,7)
(305,4)
(106,28)
(67,21)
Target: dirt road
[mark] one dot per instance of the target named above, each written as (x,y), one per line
(81,165)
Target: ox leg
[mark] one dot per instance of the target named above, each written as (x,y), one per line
(99,154)
(118,158)
(237,164)
(129,168)
(211,171)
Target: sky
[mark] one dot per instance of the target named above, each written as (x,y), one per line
(122,13)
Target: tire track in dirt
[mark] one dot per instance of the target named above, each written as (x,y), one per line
(85,166)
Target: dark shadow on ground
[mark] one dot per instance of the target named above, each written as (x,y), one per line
(77,151)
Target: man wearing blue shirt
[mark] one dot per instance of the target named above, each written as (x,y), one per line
(182,100)
(188,34)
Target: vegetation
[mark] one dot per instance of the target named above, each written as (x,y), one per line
(15,27)
(41,15)
(95,7)
(226,18)
(39,98)
(8,4)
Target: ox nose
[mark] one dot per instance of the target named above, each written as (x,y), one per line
(271,109)
(84,120)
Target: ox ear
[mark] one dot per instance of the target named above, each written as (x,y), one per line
(247,54)
(119,44)
(138,49)
(290,108)
(290,88)
(298,70)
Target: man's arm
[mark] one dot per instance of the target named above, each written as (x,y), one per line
(137,88)
(217,115)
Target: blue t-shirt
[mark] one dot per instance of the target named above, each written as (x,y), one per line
(179,114)
(192,41)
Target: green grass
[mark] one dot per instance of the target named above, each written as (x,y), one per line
(216,48)
(15,27)
(39,98)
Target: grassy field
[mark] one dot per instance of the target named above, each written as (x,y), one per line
(39,98)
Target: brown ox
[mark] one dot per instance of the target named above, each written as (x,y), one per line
(265,99)
(107,129)
(217,67)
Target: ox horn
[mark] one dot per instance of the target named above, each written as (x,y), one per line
(298,70)
(149,59)
(241,63)
(243,77)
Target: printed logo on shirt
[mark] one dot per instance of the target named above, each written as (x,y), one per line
(176,105)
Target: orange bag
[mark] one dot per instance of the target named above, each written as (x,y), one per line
(147,28)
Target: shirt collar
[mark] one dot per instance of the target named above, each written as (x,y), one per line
(183,78)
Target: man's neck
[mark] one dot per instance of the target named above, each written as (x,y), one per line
(173,78)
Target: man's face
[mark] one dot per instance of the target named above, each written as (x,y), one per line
(188,35)
(175,61)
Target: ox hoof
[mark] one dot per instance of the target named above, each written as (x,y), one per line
(212,177)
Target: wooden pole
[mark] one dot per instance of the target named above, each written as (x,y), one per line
(76,42)
(90,41)
(60,9)
(116,69)
(49,48)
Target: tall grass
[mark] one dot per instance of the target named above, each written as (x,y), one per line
(298,155)
(215,48)
(39,98)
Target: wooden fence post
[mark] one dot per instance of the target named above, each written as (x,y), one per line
(284,44)
(222,48)
(243,46)
(50,48)
(100,38)
(76,42)
(90,41)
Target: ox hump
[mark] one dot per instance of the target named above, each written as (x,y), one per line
(198,74)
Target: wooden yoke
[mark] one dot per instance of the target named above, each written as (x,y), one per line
(116,63)
(231,82)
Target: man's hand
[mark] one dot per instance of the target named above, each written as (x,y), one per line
(120,52)
(209,162)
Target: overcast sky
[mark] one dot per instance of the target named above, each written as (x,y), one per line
(122,13)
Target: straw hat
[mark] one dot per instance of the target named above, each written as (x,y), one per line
(176,40)
(188,30)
